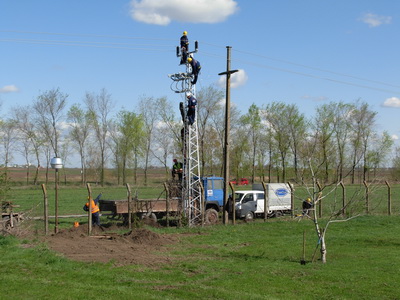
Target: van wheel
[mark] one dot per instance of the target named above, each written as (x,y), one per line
(249,216)
(211,217)
(278,214)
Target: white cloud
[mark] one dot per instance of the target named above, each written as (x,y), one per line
(395,137)
(375,20)
(163,12)
(237,79)
(392,102)
(9,89)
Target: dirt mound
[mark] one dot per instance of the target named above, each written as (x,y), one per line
(139,246)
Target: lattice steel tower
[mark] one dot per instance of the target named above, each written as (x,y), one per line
(191,185)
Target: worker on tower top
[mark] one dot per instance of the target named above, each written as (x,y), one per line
(184,47)
(195,64)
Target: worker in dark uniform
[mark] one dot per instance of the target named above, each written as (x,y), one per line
(95,209)
(195,64)
(177,168)
(191,113)
(184,47)
(307,205)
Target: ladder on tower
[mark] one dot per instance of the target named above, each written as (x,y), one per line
(191,193)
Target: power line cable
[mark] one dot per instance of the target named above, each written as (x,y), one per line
(88,44)
(318,69)
(113,46)
(88,35)
(306,74)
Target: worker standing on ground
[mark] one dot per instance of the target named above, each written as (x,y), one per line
(95,209)
(191,113)
(184,47)
(307,205)
(177,168)
(195,64)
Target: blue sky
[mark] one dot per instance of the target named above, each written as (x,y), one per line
(306,52)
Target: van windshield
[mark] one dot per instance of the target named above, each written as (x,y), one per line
(238,197)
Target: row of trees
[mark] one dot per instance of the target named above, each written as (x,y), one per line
(267,141)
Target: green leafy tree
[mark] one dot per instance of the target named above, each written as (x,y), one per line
(252,123)
(132,136)
(209,107)
(277,116)
(363,121)
(150,119)
(49,107)
(323,132)
(79,121)
(100,107)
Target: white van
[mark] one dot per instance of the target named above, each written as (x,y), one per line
(250,204)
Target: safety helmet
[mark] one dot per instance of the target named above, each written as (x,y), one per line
(175,160)
(188,94)
(185,32)
(190,59)
(309,200)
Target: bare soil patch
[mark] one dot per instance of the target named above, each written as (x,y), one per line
(140,246)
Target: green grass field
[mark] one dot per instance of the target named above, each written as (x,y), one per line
(247,261)
(259,260)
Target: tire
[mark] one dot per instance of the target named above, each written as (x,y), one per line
(153,217)
(149,216)
(278,214)
(249,216)
(6,224)
(211,217)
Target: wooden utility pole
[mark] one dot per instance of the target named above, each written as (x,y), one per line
(227,128)
(46,210)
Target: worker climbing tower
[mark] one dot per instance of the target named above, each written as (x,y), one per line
(191,186)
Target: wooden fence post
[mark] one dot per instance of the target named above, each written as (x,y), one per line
(90,208)
(265,201)
(166,203)
(291,198)
(129,206)
(46,210)
(366,197)
(203,203)
(233,208)
(389,199)
(343,198)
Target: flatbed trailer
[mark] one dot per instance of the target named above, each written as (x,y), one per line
(148,208)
